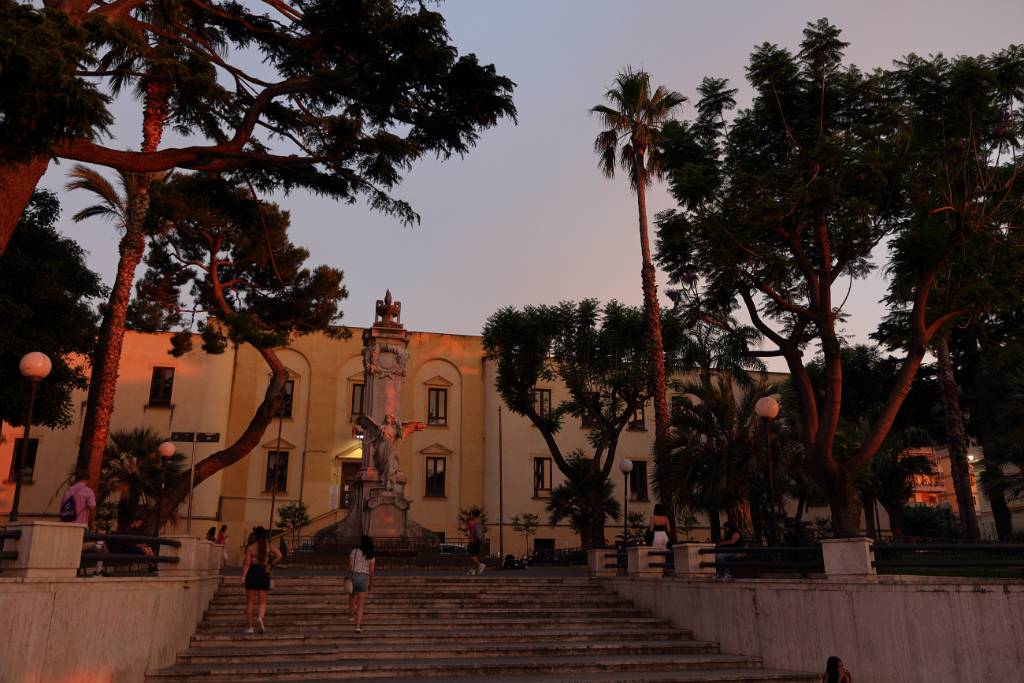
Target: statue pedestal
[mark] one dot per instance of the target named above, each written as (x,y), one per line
(386,514)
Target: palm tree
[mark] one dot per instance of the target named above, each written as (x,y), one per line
(713,461)
(127,208)
(575,500)
(633,125)
(134,472)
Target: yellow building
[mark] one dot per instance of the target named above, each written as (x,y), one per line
(451,464)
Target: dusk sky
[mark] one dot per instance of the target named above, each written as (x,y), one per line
(527,217)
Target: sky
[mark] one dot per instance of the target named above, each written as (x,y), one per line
(526,217)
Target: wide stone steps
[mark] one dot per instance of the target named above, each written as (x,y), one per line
(496,628)
(446,628)
(364,650)
(393,638)
(448,668)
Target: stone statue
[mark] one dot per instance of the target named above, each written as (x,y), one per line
(389,313)
(382,441)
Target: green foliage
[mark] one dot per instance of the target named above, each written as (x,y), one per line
(242,269)
(46,297)
(715,460)
(41,98)
(468,513)
(132,475)
(602,358)
(632,125)
(526,525)
(292,516)
(341,98)
(929,522)
(780,205)
(585,497)
(636,527)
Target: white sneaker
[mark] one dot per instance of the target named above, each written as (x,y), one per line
(248,631)
(471,572)
(480,569)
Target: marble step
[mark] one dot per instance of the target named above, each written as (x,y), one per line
(417,636)
(744,675)
(284,613)
(427,602)
(444,627)
(366,647)
(302,670)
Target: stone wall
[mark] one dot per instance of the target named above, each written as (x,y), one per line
(101,630)
(885,629)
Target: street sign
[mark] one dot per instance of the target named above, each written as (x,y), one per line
(201,437)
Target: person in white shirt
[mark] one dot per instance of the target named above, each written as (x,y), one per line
(360,569)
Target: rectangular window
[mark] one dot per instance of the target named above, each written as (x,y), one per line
(357,401)
(638,481)
(542,402)
(288,394)
(437,406)
(277,467)
(435,478)
(29,467)
(637,421)
(160,386)
(541,477)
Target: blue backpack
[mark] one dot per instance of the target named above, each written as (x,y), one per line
(68,509)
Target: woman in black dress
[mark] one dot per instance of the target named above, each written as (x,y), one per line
(260,557)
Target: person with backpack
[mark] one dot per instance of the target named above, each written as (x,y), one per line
(477,534)
(78,506)
(360,570)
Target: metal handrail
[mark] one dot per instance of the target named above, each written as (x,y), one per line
(938,555)
(115,558)
(807,558)
(131,538)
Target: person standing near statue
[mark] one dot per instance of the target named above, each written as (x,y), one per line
(477,534)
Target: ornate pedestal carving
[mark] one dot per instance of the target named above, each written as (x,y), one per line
(379,506)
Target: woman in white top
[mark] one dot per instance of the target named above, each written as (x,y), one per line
(360,568)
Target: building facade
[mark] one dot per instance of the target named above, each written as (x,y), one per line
(472,451)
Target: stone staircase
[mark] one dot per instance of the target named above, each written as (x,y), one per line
(492,628)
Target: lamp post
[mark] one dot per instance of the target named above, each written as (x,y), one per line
(34,367)
(767,409)
(166,451)
(625,466)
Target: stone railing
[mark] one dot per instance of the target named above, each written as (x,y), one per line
(899,628)
(97,629)
(843,558)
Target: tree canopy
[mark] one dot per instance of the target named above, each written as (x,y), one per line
(601,356)
(782,209)
(245,286)
(339,97)
(47,295)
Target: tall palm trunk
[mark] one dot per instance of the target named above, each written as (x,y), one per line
(956,441)
(107,358)
(652,313)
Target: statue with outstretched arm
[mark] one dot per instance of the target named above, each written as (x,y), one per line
(382,442)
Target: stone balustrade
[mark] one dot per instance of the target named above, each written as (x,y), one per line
(40,592)
(845,558)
